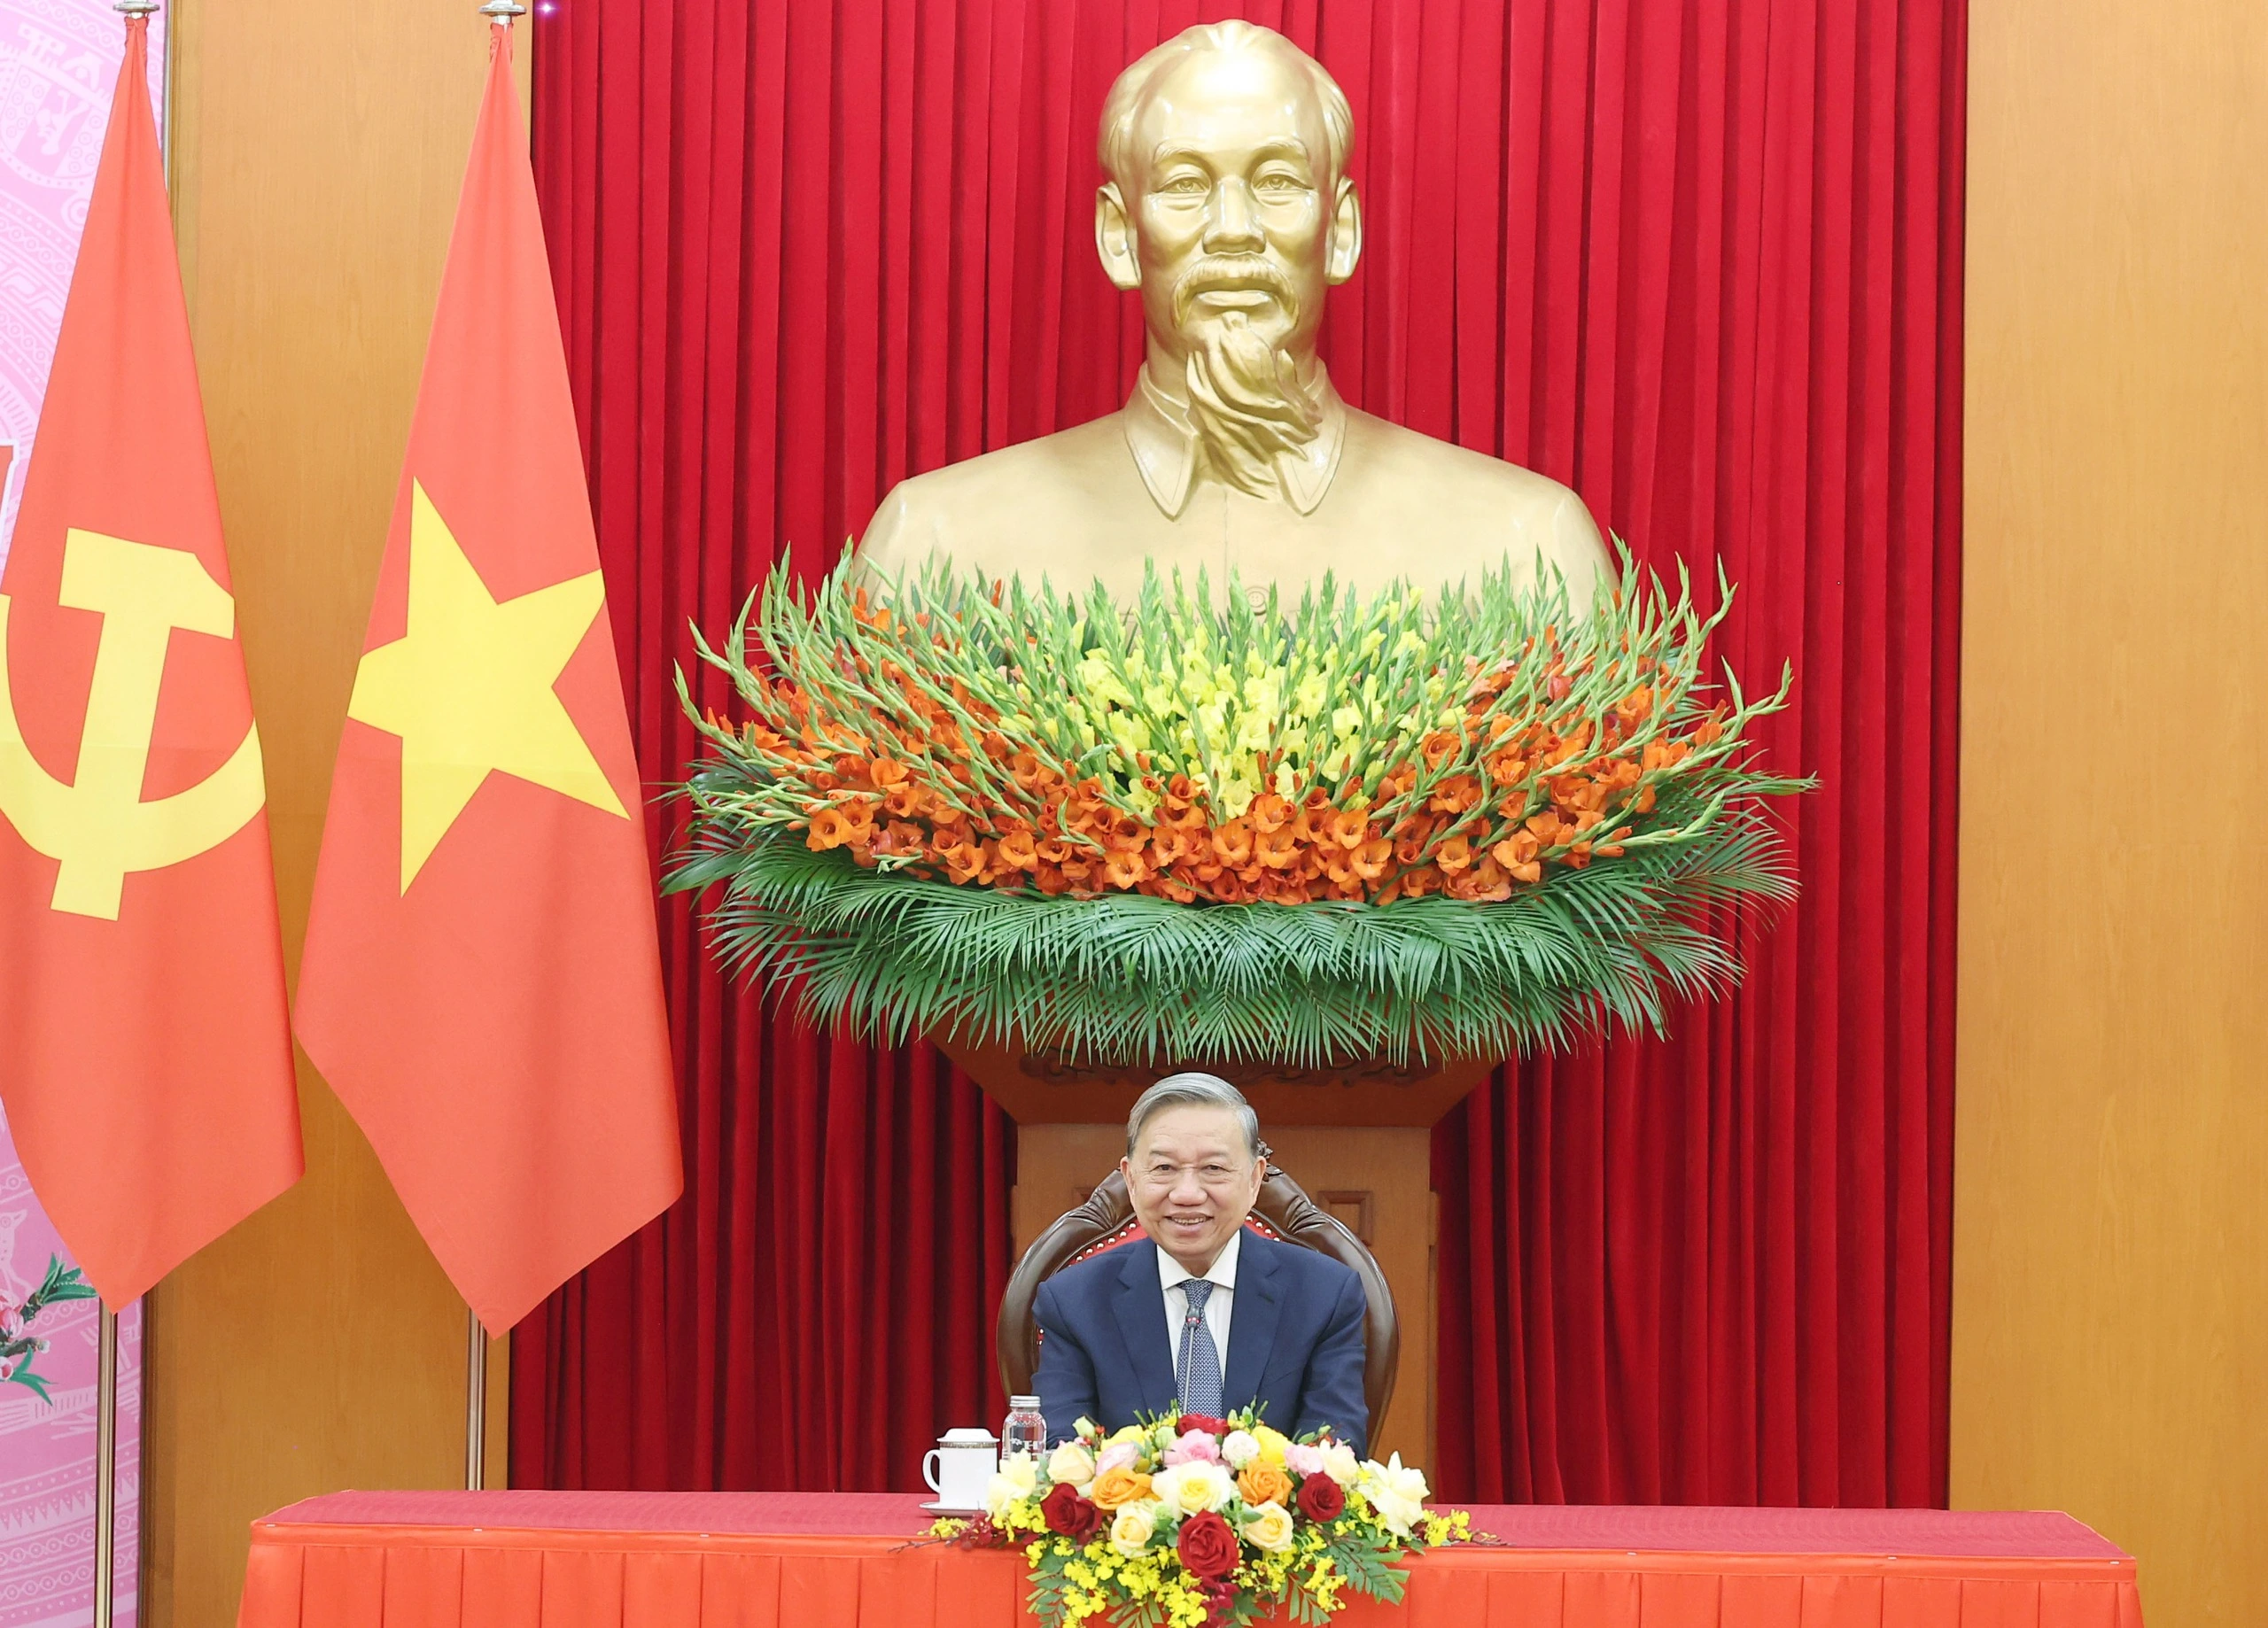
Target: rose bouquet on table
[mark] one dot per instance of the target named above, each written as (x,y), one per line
(1186,1521)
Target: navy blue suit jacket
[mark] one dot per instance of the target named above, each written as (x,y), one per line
(1295,1341)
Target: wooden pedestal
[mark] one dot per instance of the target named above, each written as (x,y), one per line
(1359,1140)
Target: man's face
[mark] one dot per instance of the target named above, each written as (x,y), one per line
(1231,199)
(1192,1182)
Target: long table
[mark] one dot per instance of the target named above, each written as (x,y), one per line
(757,1560)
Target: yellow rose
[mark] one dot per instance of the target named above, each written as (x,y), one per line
(1130,1532)
(1195,1486)
(1071,1463)
(1272,1444)
(1269,1527)
(1116,1488)
(1016,1481)
(1262,1483)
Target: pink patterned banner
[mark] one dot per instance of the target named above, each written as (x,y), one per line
(57,61)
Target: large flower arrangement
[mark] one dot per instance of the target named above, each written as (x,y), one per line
(1187,1520)
(1462,824)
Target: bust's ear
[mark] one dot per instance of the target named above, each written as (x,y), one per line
(1345,233)
(1115,238)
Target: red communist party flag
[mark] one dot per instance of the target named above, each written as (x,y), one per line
(145,1057)
(482,985)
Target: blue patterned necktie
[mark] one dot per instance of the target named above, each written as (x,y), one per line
(1198,1365)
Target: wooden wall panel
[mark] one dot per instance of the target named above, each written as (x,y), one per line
(318,150)
(2110,1344)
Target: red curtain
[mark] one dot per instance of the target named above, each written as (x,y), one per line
(1702,261)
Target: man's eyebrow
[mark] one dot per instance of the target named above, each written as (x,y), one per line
(1275,147)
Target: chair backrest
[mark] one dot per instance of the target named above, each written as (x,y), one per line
(1106,1221)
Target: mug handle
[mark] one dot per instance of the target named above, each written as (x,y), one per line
(930,1470)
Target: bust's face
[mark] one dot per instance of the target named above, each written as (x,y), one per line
(1192,1181)
(1231,202)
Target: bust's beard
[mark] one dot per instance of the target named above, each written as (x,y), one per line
(1247,402)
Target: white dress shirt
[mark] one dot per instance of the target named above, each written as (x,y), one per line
(1222,1276)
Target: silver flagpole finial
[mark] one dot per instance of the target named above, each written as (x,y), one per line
(502,11)
(134,8)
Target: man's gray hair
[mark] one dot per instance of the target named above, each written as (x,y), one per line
(1126,92)
(1194,1090)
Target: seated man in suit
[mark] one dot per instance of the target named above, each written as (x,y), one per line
(1202,1311)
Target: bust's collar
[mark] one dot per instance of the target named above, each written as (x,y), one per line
(1167,450)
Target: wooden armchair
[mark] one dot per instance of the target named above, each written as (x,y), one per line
(1106,1220)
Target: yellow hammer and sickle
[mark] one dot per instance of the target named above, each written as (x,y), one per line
(98,825)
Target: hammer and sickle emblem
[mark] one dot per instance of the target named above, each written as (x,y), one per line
(98,826)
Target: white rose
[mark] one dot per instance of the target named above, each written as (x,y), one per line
(1130,1532)
(1341,1464)
(1398,1494)
(1071,1463)
(1017,1479)
(1192,1487)
(1269,1527)
(1239,1448)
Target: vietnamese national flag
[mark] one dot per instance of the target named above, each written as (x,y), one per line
(482,983)
(145,1056)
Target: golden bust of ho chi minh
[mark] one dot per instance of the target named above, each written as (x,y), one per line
(1229,206)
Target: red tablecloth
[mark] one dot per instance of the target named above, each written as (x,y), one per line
(725,1559)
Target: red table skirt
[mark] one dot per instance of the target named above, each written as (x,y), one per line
(566,1559)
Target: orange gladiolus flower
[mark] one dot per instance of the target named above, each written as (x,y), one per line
(1123,869)
(1348,828)
(1517,854)
(1167,845)
(1277,848)
(1456,794)
(1232,842)
(1453,855)
(831,827)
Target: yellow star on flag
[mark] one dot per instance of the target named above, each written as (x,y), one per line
(468,688)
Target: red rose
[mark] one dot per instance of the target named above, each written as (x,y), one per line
(1207,1546)
(1321,1499)
(1069,1513)
(1206,1423)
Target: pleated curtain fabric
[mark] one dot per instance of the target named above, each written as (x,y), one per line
(1702,261)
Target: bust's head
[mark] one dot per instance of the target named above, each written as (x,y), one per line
(1229,206)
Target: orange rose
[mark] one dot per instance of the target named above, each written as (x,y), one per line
(1118,1486)
(1261,1482)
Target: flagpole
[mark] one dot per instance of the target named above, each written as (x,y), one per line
(106,1336)
(501,13)
(105,1462)
(106,1320)
(476,1400)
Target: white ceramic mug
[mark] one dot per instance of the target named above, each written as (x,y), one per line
(960,1466)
